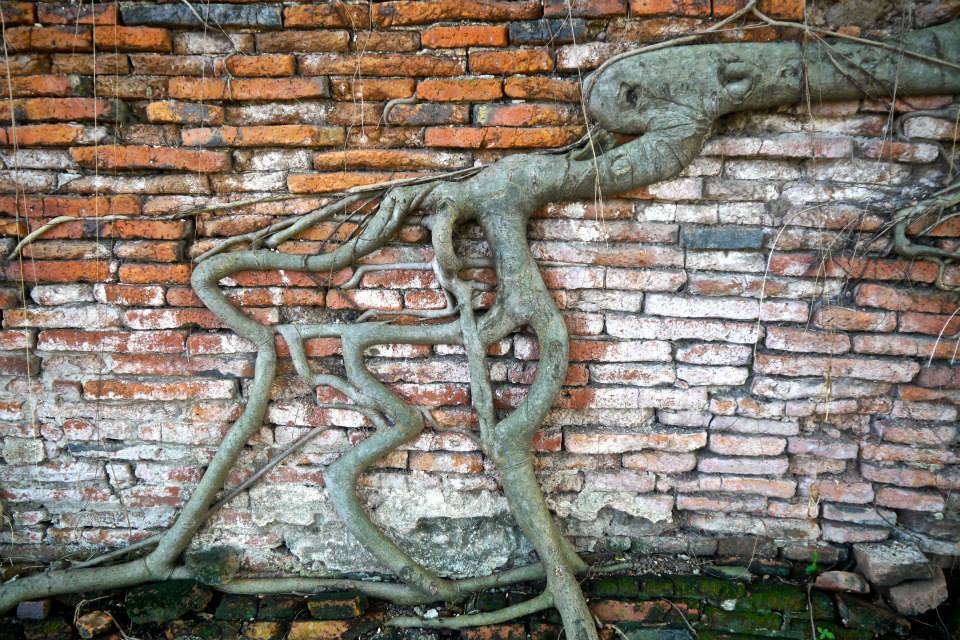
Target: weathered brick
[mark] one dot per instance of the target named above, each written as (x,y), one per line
(328,15)
(293,135)
(303,41)
(116,389)
(265,65)
(540,88)
(676,7)
(500,137)
(467,89)
(545,31)
(248,89)
(407,12)
(135,157)
(844,319)
(116,38)
(261,16)
(372,89)
(395,64)
(61,109)
(443,37)
(510,62)
(174,112)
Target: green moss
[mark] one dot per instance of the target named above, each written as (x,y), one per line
(337,605)
(164,601)
(202,630)
(614,587)
(775,597)
(237,607)
(741,621)
(709,588)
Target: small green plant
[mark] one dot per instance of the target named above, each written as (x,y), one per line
(813,567)
(825,634)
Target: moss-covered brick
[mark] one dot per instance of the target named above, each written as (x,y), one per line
(237,607)
(655,587)
(710,588)
(337,605)
(741,621)
(263,630)
(202,630)
(280,607)
(217,565)
(164,601)
(614,587)
(774,597)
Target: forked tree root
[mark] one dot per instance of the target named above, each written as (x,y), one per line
(668,100)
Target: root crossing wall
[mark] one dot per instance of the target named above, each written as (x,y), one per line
(744,359)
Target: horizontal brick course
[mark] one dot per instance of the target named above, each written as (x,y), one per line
(727,372)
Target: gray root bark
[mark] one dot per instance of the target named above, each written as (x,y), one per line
(669,100)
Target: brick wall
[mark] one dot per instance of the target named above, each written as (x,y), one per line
(743,361)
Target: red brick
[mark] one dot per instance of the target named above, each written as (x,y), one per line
(500,137)
(933,324)
(116,389)
(898,299)
(18,13)
(844,319)
(119,341)
(88,64)
(265,65)
(469,35)
(59,271)
(40,85)
(155,273)
(331,182)
(133,157)
(372,89)
(385,159)
(130,295)
(247,89)
(388,64)
(70,14)
(538,88)
(116,38)
(328,14)
(520,115)
(509,62)
(148,251)
(674,7)
(466,89)
(383,41)
(98,206)
(59,109)
(42,135)
(173,112)
(792,339)
(907,499)
(408,12)
(303,41)
(445,462)
(287,135)
(49,39)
